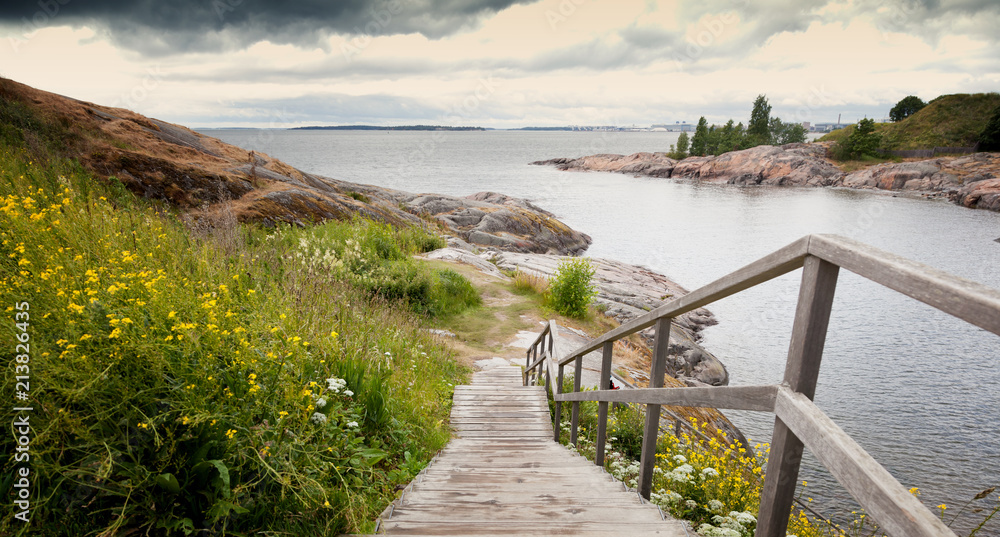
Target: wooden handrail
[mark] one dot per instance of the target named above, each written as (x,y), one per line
(798,422)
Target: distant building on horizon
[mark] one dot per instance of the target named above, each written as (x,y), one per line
(678,126)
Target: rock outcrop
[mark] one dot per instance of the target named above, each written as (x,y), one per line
(790,165)
(966,180)
(982,194)
(206,177)
(920,176)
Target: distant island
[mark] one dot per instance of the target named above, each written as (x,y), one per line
(380,128)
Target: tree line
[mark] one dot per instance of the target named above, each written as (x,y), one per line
(761,130)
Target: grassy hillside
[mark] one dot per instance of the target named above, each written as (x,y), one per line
(212,378)
(948,121)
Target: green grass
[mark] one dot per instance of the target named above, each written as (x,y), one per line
(180,382)
(948,121)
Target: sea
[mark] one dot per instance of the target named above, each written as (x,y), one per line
(916,388)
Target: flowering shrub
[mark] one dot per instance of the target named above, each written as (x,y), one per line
(377,258)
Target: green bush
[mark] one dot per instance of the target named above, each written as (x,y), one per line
(989,139)
(863,141)
(571,288)
(452,294)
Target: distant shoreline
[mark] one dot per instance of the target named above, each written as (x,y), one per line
(382,128)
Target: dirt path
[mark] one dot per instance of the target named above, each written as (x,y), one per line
(502,328)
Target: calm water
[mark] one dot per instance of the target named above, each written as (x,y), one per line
(918,389)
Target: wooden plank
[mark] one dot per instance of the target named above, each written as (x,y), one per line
(758,398)
(394,527)
(480,479)
(491,419)
(898,512)
(970,301)
(491,512)
(527,427)
(512,498)
(658,367)
(769,267)
(602,407)
(805,352)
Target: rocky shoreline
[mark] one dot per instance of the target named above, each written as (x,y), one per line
(971,181)
(212,183)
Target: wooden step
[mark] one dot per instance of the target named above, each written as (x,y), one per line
(503,475)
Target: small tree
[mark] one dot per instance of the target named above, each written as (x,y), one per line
(989,139)
(712,141)
(682,146)
(699,141)
(786,133)
(906,107)
(759,128)
(861,142)
(571,288)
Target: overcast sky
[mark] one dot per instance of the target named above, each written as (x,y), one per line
(499,63)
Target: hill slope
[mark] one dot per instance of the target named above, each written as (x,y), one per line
(948,121)
(203,175)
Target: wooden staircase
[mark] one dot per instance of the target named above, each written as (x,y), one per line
(504,475)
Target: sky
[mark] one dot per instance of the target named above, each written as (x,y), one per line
(499,63)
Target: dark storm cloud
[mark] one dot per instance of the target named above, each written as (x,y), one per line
(933,19)
(157,27)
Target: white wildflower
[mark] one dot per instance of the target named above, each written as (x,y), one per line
(335,384)
(348,393)
(320,403)
(318,418)
(715,505)
(710,472)
(680,459)
(691,504)
(352,424)
(746,517)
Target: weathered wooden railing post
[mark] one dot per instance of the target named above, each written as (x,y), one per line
(574,421)
(602,407)
(805,351)
(557,426)
(661,343)
(548,354)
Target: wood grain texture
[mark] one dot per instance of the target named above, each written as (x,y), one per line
(503,475)
(758,398)
(651,432)
(805,353)
(968,300)
(602,407)
(898,512)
